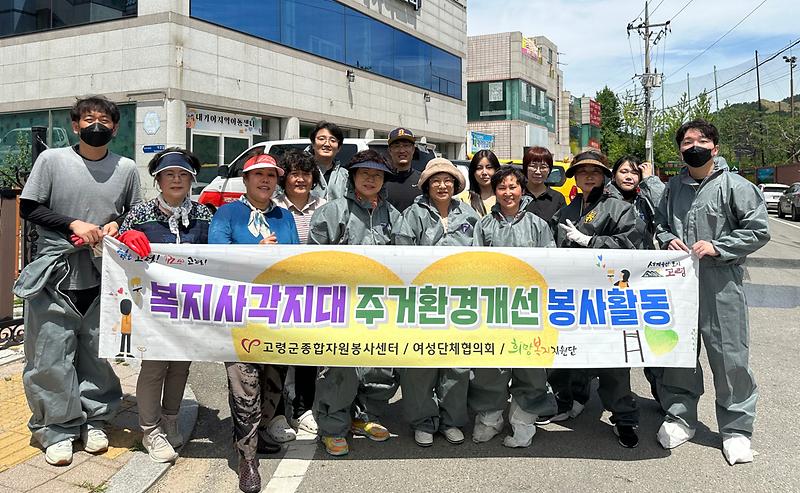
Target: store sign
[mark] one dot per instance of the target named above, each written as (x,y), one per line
(478,141)
(594,113)
(594,143)
(217,121)
(531,50)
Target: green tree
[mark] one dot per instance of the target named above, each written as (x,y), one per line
(15,163)
(610,120)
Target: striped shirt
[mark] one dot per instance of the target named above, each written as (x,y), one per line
(302,217)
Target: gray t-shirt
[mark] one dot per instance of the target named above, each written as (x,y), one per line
(93,191)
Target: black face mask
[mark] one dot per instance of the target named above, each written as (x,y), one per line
(696,156)
(96,134)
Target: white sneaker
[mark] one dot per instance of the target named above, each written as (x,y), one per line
(736,449)
(306,422)
(280,431)
(158,447)
(674,433)
(423,438)
(94,440)
(487,426)
(453,435)
(59,453)
(169,423)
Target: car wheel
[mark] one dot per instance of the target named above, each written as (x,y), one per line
(781,215)
(795,213)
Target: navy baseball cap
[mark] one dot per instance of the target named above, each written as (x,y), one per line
(401,134)
(174,160)
(371,165)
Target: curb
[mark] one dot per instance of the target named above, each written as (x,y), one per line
(141,472)
(8,356)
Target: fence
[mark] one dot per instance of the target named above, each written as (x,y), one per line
(12,245)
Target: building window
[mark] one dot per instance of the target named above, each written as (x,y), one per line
(27,16)
(513,99)
(331,30)
(15,129)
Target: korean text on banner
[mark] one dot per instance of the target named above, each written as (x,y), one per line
(388,306)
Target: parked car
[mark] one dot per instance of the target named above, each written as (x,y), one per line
(228,185)
(789,202)
(557,180)
(10,141)
(772,192)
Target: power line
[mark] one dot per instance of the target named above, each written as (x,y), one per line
(719,39)
(657,6)
(681,10)
(730,81)
(633,61)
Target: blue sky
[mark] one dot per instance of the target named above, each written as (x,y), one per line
(592,35)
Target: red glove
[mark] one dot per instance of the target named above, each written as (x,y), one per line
(76,240)
(136,241)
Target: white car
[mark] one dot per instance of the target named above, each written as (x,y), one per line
(228,185)
(772,192)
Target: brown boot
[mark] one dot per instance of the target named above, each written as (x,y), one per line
(249,478)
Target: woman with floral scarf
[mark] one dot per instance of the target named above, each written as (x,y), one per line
(169,218)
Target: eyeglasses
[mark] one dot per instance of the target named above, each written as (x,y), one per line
(538,166)
(448,182)
(330,140)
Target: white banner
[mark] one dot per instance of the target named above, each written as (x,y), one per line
(400,306)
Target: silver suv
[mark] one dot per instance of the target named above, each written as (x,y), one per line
(789,202)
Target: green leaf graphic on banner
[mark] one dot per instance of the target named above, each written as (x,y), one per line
(661,341)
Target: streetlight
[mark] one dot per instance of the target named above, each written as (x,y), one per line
(792,61)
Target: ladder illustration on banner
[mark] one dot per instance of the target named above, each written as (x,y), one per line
(632,335)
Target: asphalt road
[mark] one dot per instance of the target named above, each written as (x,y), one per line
(581,455)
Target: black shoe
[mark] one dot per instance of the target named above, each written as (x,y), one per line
(627,435)
(249,478)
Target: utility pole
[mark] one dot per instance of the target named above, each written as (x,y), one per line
(760,114)
(649,80)
(792,61)
(688,89)
(716,94)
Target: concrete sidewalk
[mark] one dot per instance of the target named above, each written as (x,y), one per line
(124,468)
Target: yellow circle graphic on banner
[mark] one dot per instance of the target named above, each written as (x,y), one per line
(523,344)
(317,268)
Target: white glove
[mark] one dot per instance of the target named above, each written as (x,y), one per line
(574,235)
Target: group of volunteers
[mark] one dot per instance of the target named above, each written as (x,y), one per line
(77,195)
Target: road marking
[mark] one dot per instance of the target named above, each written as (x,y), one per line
(292,468)
(784,221)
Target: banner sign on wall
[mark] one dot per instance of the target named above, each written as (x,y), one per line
(388,306)
(478,141)
(217,121)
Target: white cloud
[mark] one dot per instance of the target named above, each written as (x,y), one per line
(593,35)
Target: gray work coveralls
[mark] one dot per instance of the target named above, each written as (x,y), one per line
(489,387)
(728,211)
(343,392)
(67,386)
(436,398)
